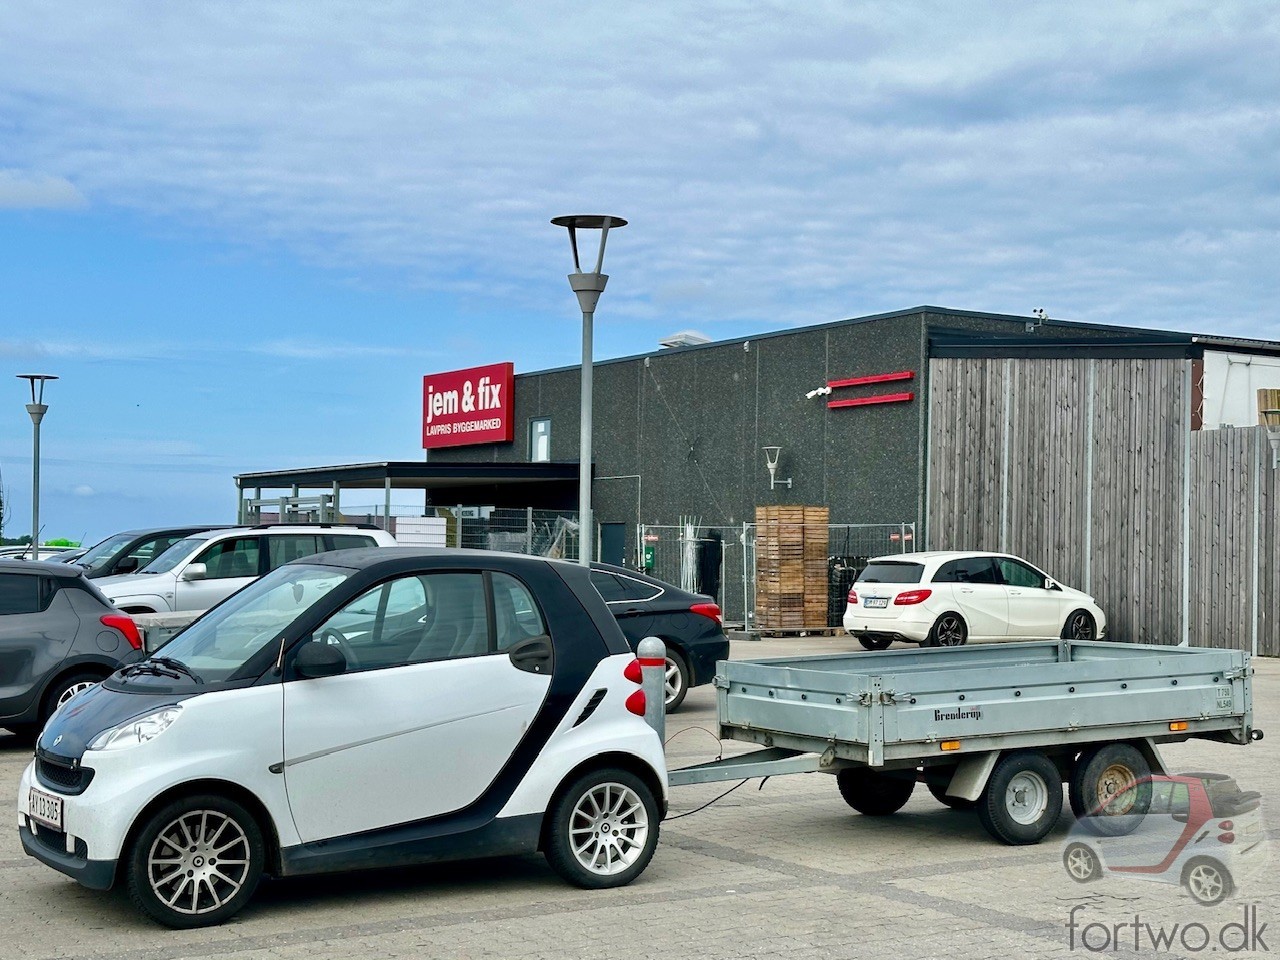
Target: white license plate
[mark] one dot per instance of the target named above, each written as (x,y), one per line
(45,807)
(876,603)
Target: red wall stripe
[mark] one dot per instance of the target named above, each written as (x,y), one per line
(874,378)
(866,401)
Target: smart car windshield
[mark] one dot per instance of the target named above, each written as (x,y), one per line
(220,644)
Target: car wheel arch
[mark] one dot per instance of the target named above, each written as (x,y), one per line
(223,788)
(623,761)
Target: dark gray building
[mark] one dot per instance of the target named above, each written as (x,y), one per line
(681,431)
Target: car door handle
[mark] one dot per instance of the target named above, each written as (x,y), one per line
(966,589)
(1015,593)
(534,655)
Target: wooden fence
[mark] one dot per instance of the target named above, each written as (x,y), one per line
(1089,468)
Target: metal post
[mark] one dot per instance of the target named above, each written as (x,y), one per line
(37,411)
(652,654)
(386,513)
(584,447)
(528,530)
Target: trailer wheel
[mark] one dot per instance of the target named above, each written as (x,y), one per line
(1022,799)
(872,793)
(939,791)
(1098,793)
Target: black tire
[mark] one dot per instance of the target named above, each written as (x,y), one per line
(874,641)
(1023,798)
(1098,775)
(1208,881)
(634,816)
(873,793)
(63,689)
(1081,863)
(154,865)
(1079,625)
(949,630)
(939,790)
(677,680)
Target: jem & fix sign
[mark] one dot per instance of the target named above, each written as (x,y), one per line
(462,407)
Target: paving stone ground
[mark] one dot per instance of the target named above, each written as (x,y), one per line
(783,871)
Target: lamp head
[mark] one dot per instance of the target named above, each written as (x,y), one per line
(37,381)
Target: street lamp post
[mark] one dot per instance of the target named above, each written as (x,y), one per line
(37,408)
(588,287)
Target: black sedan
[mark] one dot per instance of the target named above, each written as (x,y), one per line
(688,623)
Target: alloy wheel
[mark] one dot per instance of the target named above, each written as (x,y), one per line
(674,683)
(198,862)
(950,631)
(72,690)
(608,828)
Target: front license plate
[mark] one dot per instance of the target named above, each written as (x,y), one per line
(876,603)
(45,807)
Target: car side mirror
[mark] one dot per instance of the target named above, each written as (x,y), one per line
(317,659)
(195,571)
(1050,585)
(126,565)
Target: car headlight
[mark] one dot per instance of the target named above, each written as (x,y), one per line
(136,731)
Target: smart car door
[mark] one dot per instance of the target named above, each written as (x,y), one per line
(435,697)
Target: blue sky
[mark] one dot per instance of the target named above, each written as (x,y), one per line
(241,233)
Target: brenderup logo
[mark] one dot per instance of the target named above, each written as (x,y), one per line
(959,713)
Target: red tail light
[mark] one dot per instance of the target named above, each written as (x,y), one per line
(125,625)
(1226,838)
(853,597)
(911,597)
(632,672)
(1227,825)
(709,610)
(636,703)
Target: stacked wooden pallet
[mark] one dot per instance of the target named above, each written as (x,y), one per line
(791,567)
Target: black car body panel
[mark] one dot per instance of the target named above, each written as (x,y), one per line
(666,613)
(137,548)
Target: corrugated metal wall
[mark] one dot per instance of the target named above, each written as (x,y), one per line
(1089,469)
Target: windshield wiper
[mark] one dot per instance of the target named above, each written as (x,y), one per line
(149,668)
(177,665)
(161,667)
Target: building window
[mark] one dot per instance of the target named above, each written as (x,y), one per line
(540,440)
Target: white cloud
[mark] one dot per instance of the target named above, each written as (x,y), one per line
(24,190)
(779,163)
(83,490)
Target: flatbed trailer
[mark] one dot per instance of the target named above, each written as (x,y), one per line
(1000,727)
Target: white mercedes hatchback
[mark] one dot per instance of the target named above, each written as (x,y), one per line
(946,599)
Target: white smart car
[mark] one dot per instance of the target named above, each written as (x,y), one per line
(945,599)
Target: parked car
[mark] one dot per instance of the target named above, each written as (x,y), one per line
(130,551)
(58,635)
(70,556)
(1197,830)
(945,599)
(688,623)
(352,710)
(204,569)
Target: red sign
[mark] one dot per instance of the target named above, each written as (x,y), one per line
(464,407)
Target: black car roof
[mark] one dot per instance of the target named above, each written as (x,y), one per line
(361,558)
(42,568)
(181,528)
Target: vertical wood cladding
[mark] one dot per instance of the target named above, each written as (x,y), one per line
(1090,469)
